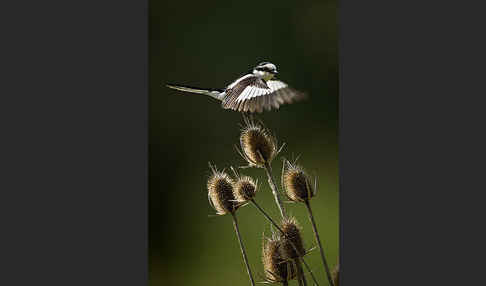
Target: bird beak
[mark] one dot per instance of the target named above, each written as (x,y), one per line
(275,72)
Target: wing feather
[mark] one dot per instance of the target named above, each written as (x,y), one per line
(252,94)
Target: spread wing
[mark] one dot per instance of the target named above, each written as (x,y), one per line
(252,94)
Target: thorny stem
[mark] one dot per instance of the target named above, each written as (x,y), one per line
(281,231)
(321,250)
(273,186)
(235,223)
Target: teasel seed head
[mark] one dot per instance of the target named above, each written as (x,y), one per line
(296,183)
(292,244)
(335,275)
(220,192)
(276,267)
(244,188)
(258,145)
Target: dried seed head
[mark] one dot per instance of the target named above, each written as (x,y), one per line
(245,189)
(335,275)
(296,183)
(220,192)
(292,246)
(258,145)
(276,268)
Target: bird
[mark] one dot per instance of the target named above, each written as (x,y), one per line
(255,91)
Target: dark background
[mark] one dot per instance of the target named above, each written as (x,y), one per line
(210,44)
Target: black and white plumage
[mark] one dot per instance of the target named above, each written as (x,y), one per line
(254,92)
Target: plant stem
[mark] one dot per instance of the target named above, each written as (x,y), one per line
(300,273)
(299,280)
(237,229)
(273,186)
(281,231)
(321,250)
(267,216)
(308,269)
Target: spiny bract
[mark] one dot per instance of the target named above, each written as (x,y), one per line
(296,183)
(292,246)
(258,145)
(277,269)
(220,192)
(245,189)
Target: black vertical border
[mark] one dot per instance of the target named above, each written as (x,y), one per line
(411,142)
(74,144)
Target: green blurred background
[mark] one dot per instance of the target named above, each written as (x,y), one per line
(210,44)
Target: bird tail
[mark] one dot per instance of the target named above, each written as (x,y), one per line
(214,93)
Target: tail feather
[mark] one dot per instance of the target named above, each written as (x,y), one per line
(215,93)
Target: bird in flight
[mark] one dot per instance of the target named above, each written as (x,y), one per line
(255,91)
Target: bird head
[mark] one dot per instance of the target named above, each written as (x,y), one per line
(265,70)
